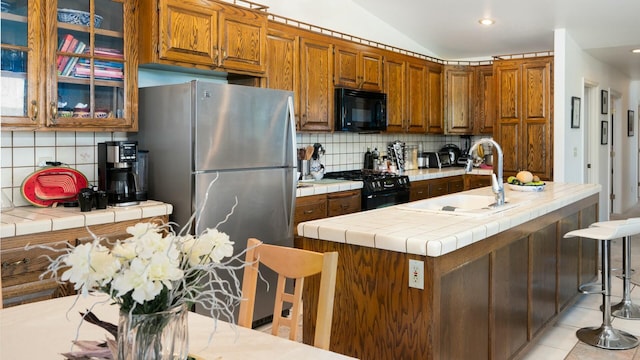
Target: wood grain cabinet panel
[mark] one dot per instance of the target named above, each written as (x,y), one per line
(243,40)
(316,85)
(435,99)
(203,34)
(459,99)
(568,265)
(417,97)
(282,69)
(472,181)
(464,300)
(543,247)
(357,68)
(510,274)
(524,124)
(395,86)
(485,108)
(344,202)
(188,31)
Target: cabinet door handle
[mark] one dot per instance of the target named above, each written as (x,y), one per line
(6,264)
(34,110)
(54,112)
(308,211)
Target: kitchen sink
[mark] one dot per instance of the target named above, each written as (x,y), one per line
(460,205)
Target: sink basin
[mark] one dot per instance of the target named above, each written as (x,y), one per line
(459,204)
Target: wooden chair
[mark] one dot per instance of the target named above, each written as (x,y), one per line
(290,263)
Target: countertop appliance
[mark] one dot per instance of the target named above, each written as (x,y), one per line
(116,172)
(380,189)
(360,111)
(454,153)
(240,136)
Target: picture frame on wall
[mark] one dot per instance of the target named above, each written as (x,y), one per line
(630,116)
(604,132)
(604,102)
(575,112)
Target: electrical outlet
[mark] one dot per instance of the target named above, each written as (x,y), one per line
(416,274)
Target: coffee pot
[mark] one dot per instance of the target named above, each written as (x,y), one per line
(116,173)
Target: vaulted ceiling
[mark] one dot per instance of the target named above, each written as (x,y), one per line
(607,30)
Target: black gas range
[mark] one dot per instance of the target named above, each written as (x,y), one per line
(379,189)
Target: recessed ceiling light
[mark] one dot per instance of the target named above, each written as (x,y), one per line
(636,51)
(486,21)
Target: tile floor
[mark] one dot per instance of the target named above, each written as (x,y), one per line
(559,340)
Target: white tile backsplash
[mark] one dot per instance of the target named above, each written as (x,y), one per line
(23,152)
(45,139)
(65,139)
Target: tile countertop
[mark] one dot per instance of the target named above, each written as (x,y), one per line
(329,185)
(423,233)
(26,220)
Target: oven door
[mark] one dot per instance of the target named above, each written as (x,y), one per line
(382,199)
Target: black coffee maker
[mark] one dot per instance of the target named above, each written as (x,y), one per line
(116,174)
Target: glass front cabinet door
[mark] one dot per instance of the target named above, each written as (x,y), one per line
(69,65)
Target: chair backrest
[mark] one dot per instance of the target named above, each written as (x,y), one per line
(290,263)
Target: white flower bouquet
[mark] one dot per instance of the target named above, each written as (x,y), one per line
(153,270)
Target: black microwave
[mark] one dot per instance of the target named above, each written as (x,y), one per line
(360,111)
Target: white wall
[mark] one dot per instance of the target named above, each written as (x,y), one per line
(573,68)
(346,17)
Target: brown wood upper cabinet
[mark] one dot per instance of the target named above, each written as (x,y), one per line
(395,86)
(524,91)
(358,68)
(459,99)
(203,34)
(485,104)
(56,66)
(435,98)
(414,95)
(282,68)
(316,85)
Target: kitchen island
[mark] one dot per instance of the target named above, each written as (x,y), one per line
(490,282)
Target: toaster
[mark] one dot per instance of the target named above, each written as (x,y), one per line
(433,160)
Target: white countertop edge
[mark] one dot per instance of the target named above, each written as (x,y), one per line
(448,233)
(27,220)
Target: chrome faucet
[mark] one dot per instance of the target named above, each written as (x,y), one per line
(496,182)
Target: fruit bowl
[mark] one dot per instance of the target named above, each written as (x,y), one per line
(526,188)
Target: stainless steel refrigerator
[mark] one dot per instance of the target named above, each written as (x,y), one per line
(245,136)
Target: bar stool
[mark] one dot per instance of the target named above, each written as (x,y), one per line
(605,336)
(625,309)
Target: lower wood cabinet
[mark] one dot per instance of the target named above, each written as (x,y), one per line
(344,202)
(325,205)
(425,189)
(21,267)
(472,181)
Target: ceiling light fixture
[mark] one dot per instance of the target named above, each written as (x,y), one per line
(486,21)
(636,51)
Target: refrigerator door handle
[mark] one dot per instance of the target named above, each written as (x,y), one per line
(293,160)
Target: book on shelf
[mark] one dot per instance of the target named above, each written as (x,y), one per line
(65,43)
(85,72)
(66,59)
(68,69)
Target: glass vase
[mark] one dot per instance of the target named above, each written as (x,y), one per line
(160,336)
